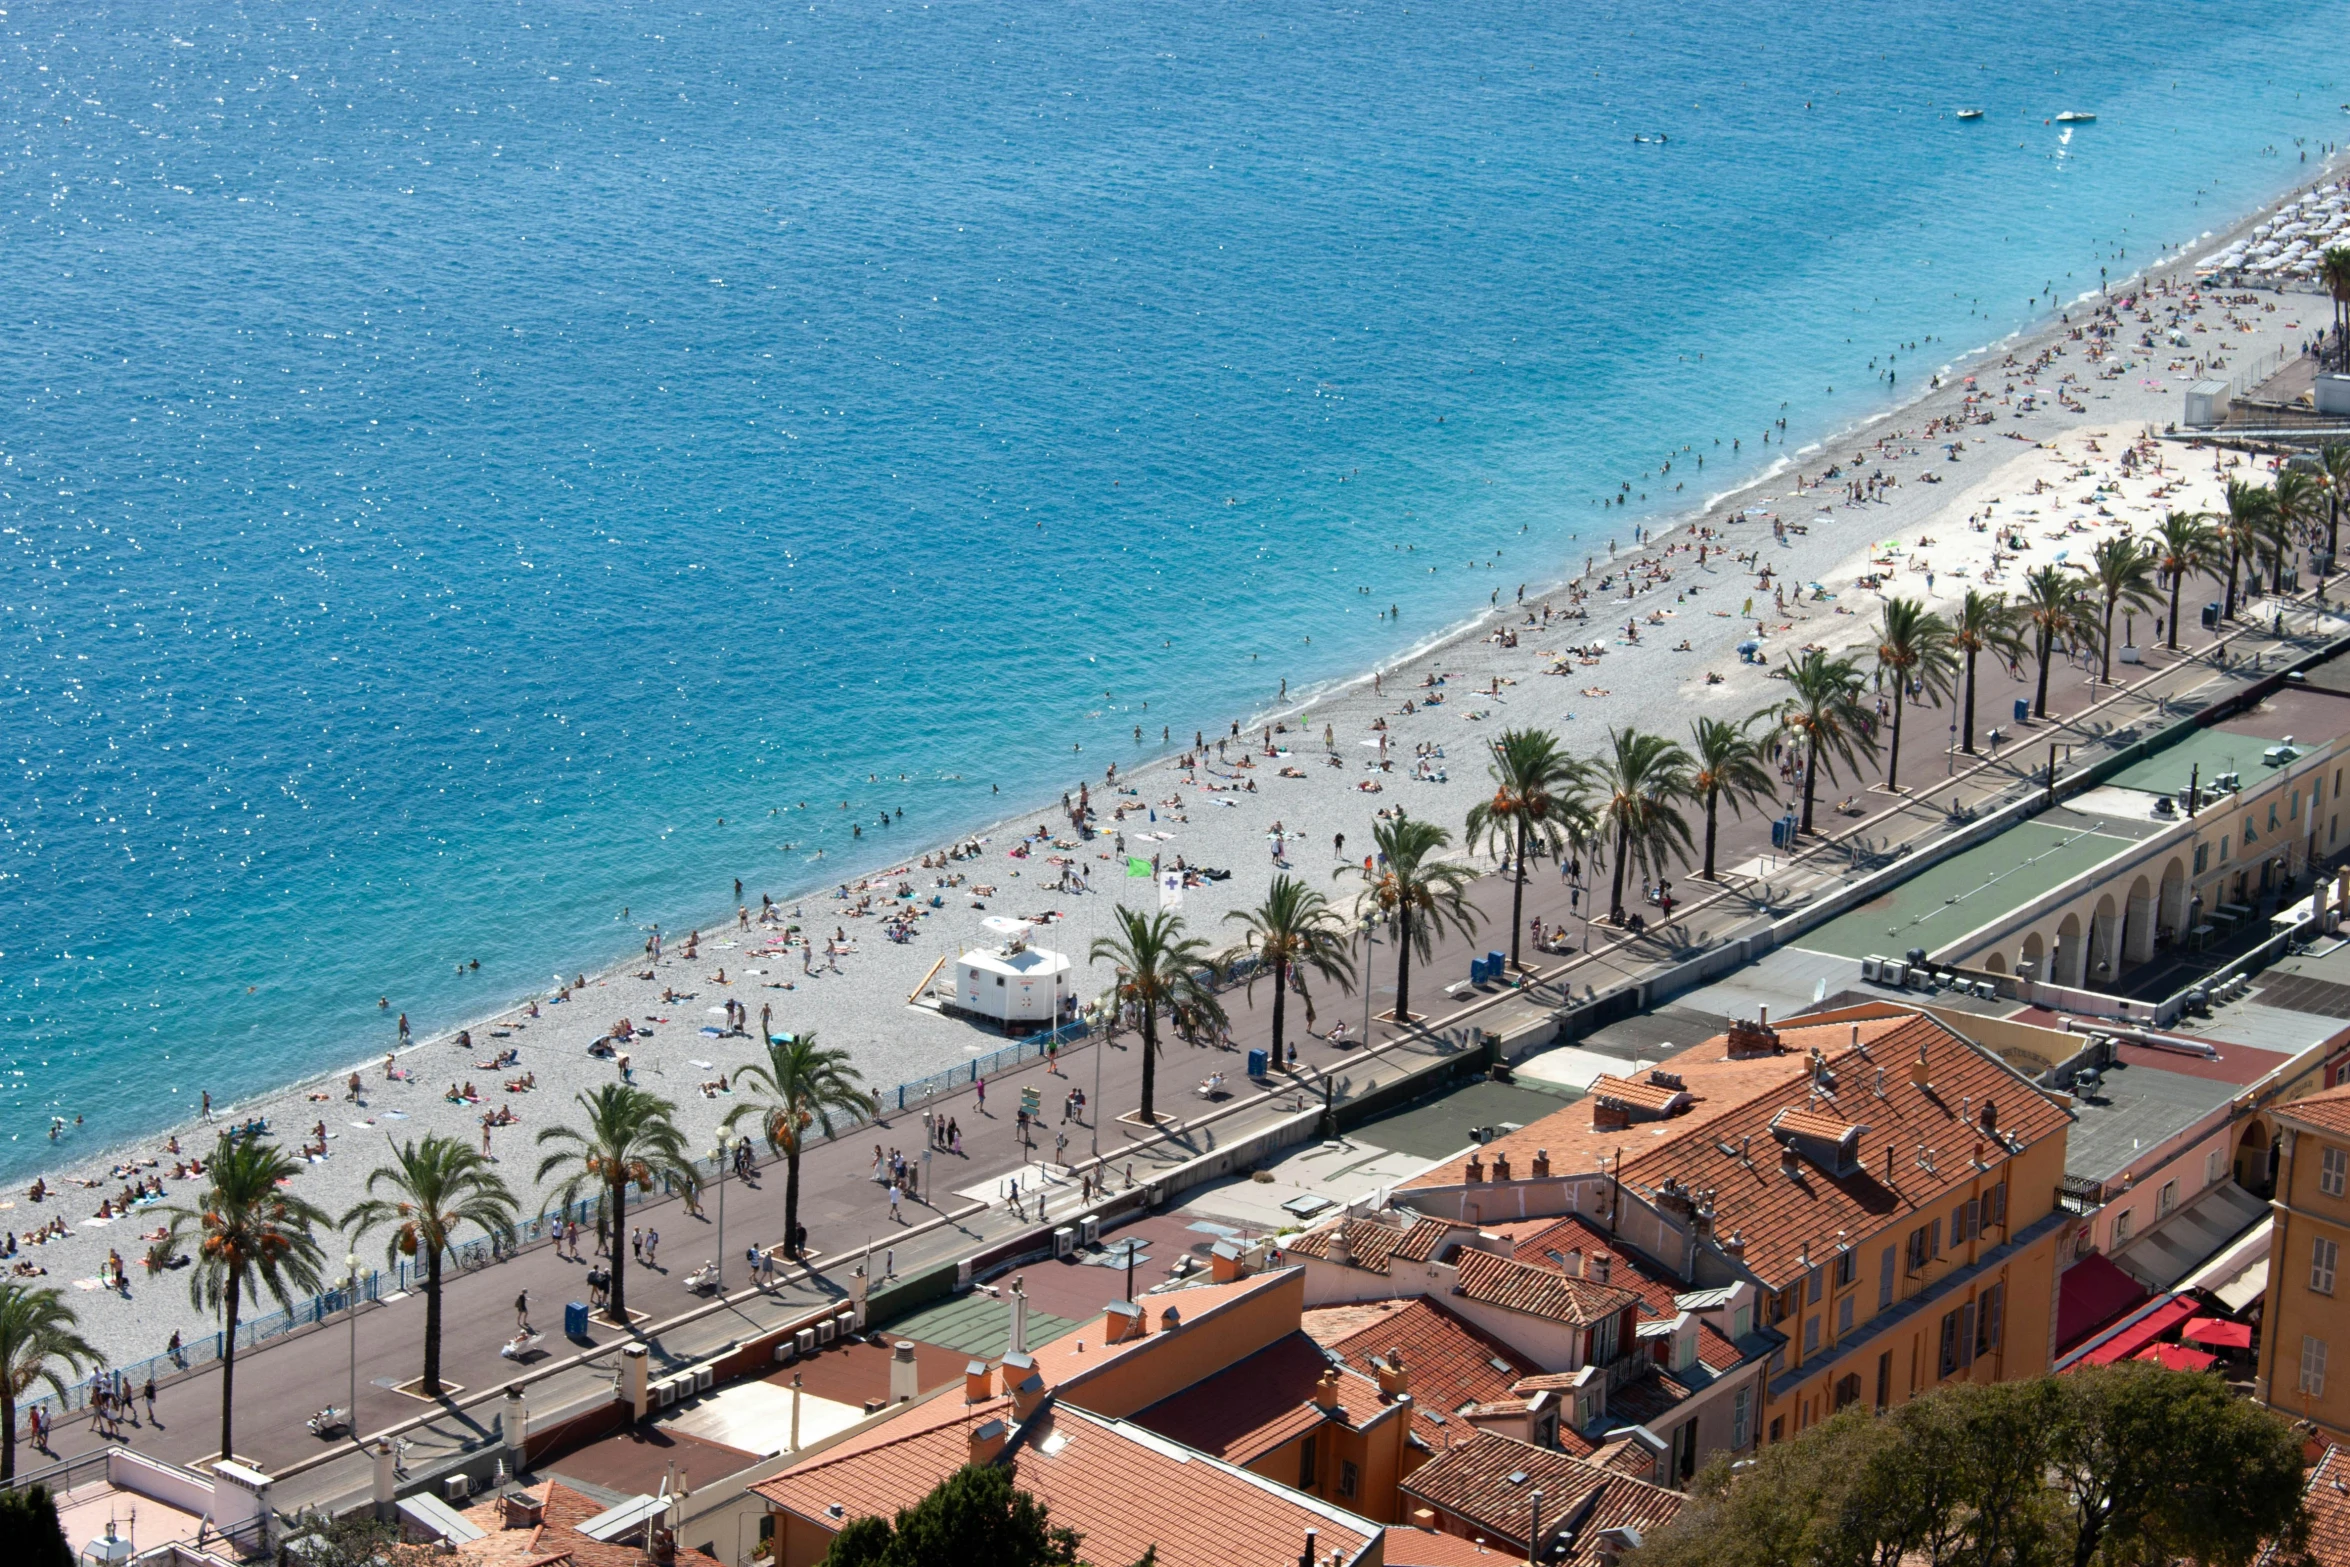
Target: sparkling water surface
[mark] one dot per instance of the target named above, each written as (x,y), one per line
(466,470)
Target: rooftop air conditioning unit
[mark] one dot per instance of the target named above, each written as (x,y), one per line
(704,1376)
(826,1331)
(804,1341)
(456,1487)
(1089,1230)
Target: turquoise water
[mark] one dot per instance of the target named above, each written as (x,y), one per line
(463,467)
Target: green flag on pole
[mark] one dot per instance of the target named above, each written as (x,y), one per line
(1135,867)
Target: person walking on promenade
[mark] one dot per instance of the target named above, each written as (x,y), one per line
(980,1084)
(652,1246)
(148,1393)
(636,1243)
(522,1312)
(895,1217)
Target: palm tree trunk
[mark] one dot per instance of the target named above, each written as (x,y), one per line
(1893,757)
(1712,813)
(7,1433)
(1967,734)
(1403,966)
(2229,613)
(791,1197)
(1615,909)
(228,1367)
(1518,899)
(1811,778)
(2040,703)
(1150,1061)
(2105,661)
(2176,578)
(2333,527)
(616,1300)
(432,1327)
(1280,1009)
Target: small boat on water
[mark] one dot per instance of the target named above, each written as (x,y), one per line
(1970,114)
(2075,117)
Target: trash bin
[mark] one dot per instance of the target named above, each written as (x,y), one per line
(2023,710)
(1257,1063)
(575,1319)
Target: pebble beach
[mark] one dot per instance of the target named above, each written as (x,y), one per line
(2048,439)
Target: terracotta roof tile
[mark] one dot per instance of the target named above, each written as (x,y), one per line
(556,1537)
(1716,1083)
(1408,1547)
(1637,1094)
(1125,1489)
(1538,1292)
(1782,1216)
(1448,1362)
(2328,1111)
(1489,1483)
(1370,1243)
(1805,1123)
(1261,1401)
(2328,1498)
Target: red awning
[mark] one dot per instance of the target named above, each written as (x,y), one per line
(2177,1357)
(2160,1319)
(2092,1295)
(2218,1333)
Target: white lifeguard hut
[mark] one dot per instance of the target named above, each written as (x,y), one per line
(1015,985)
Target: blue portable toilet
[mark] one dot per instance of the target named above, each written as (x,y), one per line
(575,1319)
(1476,971)
(1257,1063)
(2211,617)
(1496,965)
(2023,710)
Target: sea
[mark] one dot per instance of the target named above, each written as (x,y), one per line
(477,480)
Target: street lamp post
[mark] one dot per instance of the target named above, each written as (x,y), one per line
(351,1310)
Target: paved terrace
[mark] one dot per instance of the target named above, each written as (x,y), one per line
(280,1383)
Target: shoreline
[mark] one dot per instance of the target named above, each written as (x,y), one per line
(1829,545)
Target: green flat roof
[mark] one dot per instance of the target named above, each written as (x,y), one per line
(1967,891)
(2215,750)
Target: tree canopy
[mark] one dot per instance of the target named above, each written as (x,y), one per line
(2113,1466)
(975,1517)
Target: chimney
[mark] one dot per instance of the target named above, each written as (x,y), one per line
(1541,1163)
(1920,1074)
(1990,1118)
(1395,1378)
(1326,1390)
(1888,1162)
(1125,1322)
(1170,1320)
(1606,1117)
(1748,1040)
(905,1378)
(1225,1264)
(1019,1345)
(987,1442)
(1424,1517)
(1476,1170)
(1501,1167)
(1017,1369)
(1307,1558)
(1600,1262)
(1856,1036)
(1573,1263)
(1342,1250)
(1734,1245)
(1027,1395)
(975,1390)
(1789,1165)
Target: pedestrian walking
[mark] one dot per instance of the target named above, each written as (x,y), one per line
(207,1104)
(148,1392)
(652,1246)
(980,1084)
(522,1312)
(636,1243)
(895,1217)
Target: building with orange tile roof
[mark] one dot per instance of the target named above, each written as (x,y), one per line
(545,1532)
(2327,1498)
(1887,1187)
(2305,1330)
(1447,1363)
(1538,1504)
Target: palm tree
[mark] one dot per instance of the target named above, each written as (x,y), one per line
(1913,649)
(37,1331)
(1826,714)
(2185,544)
(2055,604)
(1420,894)
(254,1236)
(2334,459)
(1294,931)
(1642,778)
(2251,511)
(798,1086)
(1727,765)
(630,1138)
(1537,796)
(437,1185)
(1984,623)
(2333,270)
(2294,504)
(1161,971)
(2123,570)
